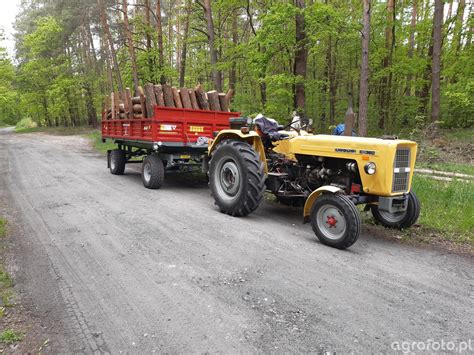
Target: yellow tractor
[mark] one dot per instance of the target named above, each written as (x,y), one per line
(326,175)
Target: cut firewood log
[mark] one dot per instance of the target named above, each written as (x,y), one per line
(137,116)
(106,106)
(168,96)
(176,98)
(192,96)
(201,98)
(159,95)
(141,93)
(137,108)
(128,103)
(136,100)
(150,99)
(123,116)
(213,97)
(223,102)
(116,105)
(185,99)
(122,107)
(112,102)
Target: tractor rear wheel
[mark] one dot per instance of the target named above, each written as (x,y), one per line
(153,172)
(236,178)
(117,162)
(399,220)
(335,220)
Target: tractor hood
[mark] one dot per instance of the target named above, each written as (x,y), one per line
(394,158)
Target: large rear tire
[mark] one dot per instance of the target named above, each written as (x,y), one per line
(335,220)
(236,178)
(153,172)
(117,162)
(399,220)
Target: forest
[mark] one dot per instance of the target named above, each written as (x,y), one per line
(404,64)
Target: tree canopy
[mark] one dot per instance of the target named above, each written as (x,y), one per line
(280,56)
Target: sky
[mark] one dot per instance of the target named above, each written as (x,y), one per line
(8,11)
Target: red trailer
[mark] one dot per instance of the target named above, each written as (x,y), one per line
(174,139)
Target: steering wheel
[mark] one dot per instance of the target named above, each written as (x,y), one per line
(290,125)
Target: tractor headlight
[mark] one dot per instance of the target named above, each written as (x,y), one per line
(370,168)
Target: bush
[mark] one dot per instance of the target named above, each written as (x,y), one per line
(26,123)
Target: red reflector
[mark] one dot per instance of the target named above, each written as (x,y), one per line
(355,188)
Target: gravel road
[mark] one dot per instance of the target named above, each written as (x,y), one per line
(110,266)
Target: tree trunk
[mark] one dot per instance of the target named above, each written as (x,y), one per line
(411,42)
(458,28)
(235,40)
(386,81)
(159,30)
(436,66)
(216,75)
(364,71)
(301,58)
(131,48)
(184,53)
(151,64)
(113,54)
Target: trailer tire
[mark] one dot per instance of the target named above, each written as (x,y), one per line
(335,220)
(117,162)
(237,178)
(399,220)
(153,172)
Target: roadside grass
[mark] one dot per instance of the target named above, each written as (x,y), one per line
(9,336)
(96,137)
(3,227)
(58,131)
(447,167)
(446,207)
(6,282)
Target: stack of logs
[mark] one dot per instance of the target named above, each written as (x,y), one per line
(141,106)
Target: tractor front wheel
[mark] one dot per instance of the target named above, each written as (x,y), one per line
(236,178)
(399,220)
(335,220)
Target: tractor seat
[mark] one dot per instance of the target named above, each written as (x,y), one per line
(270,129)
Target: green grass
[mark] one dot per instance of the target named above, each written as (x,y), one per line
(3,227)
(96,138)
(448,167)
(9,336)
(59,131)
(446,207)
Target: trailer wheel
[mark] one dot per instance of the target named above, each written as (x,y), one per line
(153,172)
(399,220)
(335,220)
(117,162)
(236,177)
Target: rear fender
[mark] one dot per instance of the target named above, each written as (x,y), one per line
(251,138)
(314,195)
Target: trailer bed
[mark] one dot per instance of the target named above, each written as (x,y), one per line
(169,127)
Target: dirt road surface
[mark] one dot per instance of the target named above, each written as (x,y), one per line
(112,266)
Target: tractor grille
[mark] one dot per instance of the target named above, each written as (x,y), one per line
(401,173)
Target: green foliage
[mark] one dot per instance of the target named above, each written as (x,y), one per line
(3,227)
(59,77)
(25,124)
(9,336)
(96,138)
